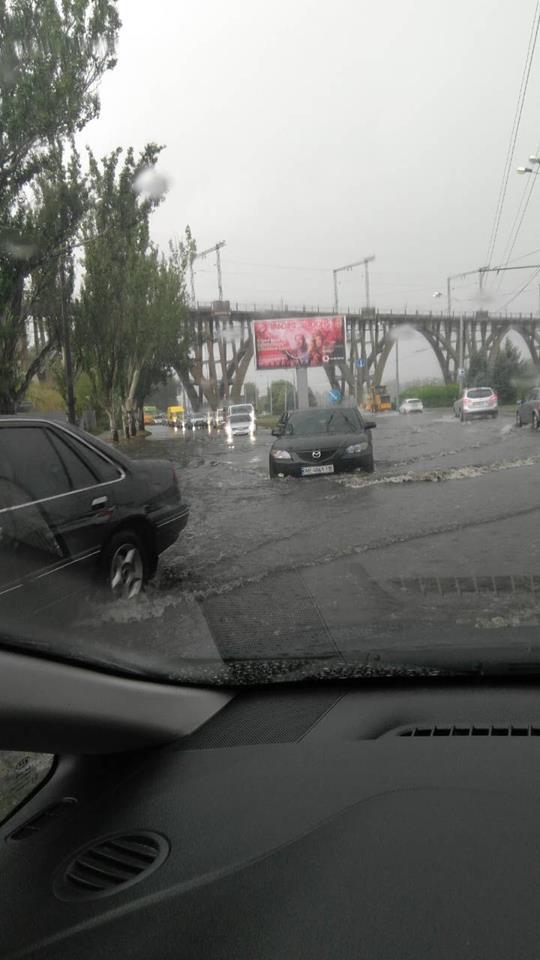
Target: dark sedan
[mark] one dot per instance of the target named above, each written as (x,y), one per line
(73,510)
(322,440)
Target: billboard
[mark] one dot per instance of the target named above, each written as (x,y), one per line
(298,342)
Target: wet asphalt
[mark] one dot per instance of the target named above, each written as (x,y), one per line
(441,542)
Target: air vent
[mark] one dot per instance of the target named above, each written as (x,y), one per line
(110,865)
(43,819)
(471,730)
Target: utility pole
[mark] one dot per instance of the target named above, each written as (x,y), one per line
(397,372)
(350,266)
(66,338)
(480,271)
(200,256)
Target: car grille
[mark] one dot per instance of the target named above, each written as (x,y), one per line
(327,453)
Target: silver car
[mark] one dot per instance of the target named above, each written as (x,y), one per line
(476,402)
(411,405)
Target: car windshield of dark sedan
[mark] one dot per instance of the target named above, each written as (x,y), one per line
(311,423)
(262,415)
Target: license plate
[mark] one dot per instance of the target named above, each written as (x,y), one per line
(323,468)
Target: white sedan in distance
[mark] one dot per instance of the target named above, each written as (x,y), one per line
(411,405)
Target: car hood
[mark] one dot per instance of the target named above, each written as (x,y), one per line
(320,441)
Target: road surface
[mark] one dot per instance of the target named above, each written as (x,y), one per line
(440,545)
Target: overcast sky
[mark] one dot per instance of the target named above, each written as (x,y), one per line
(308,135)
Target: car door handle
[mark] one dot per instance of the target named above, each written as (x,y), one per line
(99,502)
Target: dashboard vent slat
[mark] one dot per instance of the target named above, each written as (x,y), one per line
(110,864)
(470,730)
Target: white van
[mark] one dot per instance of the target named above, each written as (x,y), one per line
(244,408)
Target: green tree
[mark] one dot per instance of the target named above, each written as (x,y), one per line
(53,57)
(283,397)
(506,371)
(478,373)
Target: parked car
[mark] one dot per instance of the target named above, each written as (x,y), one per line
(528,410)
(322,440)
(160,419)
(239,425)
(411,405)
(73,511)
(476,402)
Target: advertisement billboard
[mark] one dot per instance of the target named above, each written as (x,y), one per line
(298,342)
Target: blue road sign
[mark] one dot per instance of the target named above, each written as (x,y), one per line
(335,395)
(360,363)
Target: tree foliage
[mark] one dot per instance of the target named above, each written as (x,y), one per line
(52,58)
(131,319)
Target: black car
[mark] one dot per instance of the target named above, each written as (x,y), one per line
(321,440)
(74,510)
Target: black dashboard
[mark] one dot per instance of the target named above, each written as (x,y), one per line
(376,820)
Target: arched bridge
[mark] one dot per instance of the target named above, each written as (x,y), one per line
(222,347)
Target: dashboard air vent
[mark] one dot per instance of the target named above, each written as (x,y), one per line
(111,864)
(471,730)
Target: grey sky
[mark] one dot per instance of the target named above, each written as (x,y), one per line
(308,135)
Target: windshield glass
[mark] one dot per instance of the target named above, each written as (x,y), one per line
(261,417)
(310,423)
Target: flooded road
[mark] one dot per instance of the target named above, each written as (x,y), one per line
(443,533)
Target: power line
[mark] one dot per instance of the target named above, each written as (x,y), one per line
(521,289)
(514,132)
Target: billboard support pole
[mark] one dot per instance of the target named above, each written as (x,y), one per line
(302,388)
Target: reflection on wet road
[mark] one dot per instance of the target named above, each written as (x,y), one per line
(443,531)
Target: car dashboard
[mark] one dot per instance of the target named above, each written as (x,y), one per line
(356,820)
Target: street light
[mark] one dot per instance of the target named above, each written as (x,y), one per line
(532,159)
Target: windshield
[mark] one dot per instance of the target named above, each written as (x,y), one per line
(310,423)
(262,415)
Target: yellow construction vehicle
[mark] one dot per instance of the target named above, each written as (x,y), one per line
(378,400)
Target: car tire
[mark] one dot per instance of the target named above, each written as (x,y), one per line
(494,415)
(519,421)
(370,465)
(535,422)
(126,565)
(462,416)
(272,471)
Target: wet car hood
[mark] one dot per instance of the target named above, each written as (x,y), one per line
(319,441)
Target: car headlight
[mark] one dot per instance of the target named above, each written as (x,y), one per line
(356,448)
(281,454)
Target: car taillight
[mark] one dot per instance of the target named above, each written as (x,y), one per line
(466,401)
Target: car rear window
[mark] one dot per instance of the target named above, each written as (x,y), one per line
(479,392)
(240,418)
(413,400)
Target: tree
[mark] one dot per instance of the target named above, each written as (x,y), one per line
(53,56)
(507,368)
(132,319)
(283,397)
(478,373)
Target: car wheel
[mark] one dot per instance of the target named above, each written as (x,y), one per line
(519,421)
(495,414)
(126,565)
(535,422)
(370,465)
(272,471)
(462,416)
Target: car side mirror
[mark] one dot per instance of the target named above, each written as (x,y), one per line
(520,402)
(276,432)
(369,425)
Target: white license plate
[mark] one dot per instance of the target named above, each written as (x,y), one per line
(323,468)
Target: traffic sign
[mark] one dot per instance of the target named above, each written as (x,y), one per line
(360,363)
(335,395)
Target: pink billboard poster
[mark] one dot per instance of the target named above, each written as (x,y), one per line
(298,342)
